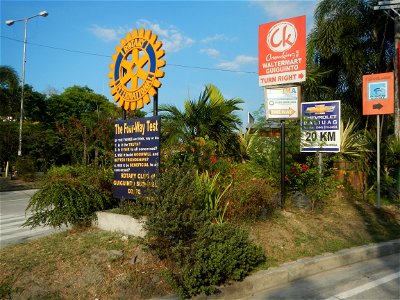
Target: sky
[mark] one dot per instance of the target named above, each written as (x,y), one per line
(205,42)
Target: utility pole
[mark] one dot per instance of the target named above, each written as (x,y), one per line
(389,7)
(397,75)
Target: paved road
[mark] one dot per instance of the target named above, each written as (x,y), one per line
(372,279)
(13,215)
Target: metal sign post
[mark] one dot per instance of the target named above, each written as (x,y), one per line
(283,163)
(378,163)
(282,103)
(155,104)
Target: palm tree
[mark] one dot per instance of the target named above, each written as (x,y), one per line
(211,116)
(9,94)
(349,39)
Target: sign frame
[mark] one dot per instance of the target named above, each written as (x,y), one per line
(282,52)
(320,126)
(378,94)
(282,103)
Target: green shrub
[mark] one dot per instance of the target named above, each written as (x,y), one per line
(251,201)
(201,254)
(209,185)
(70,196)
(219,253)
(177,211)
(250,197)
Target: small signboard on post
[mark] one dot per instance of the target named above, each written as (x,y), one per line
(378,94)
(282,103)
(320,126)
(378,99)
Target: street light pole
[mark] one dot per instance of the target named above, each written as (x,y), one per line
(21,118)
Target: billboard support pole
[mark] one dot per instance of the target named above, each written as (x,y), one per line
(155,103)
(283,163)
(320,163)
(378,163)
(123,114)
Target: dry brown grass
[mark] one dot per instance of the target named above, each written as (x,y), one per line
(81,265)
(292,234)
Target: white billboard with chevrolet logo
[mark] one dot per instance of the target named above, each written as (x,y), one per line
(320,126)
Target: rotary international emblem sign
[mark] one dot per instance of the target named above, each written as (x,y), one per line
(136,69)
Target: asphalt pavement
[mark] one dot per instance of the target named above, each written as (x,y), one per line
(377,278)
(13,215)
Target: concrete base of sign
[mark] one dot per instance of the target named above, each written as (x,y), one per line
(119,223)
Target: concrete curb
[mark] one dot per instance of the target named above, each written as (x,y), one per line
(302,268)
(119,223)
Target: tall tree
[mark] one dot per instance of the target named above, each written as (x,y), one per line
(84,123)
(34,105)
(9,92)
(349,39)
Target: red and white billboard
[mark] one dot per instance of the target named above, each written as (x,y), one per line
(282,52)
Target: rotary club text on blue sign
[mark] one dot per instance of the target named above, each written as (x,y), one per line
(136,156)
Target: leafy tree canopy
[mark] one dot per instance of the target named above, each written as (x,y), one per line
(78,102)
(211,116)
(9,92)
(349,39)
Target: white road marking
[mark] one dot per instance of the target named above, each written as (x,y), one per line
(365,287)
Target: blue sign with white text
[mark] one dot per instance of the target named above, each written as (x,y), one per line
(136,156)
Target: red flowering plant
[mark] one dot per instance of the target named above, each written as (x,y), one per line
(309,179)
(300,176)
(218,164)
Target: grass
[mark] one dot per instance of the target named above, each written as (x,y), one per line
(89,263)
(79,264)
(341,224)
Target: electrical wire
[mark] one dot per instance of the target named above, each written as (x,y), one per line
(109,56)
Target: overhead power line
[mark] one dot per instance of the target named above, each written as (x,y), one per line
(109,56)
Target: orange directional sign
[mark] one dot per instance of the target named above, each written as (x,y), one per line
(285,112)
(378,94)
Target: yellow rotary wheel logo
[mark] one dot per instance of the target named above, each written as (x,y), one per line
(135,71)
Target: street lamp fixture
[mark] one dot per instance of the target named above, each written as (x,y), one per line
(9,23)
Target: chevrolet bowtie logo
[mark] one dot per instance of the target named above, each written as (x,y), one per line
(320,109)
